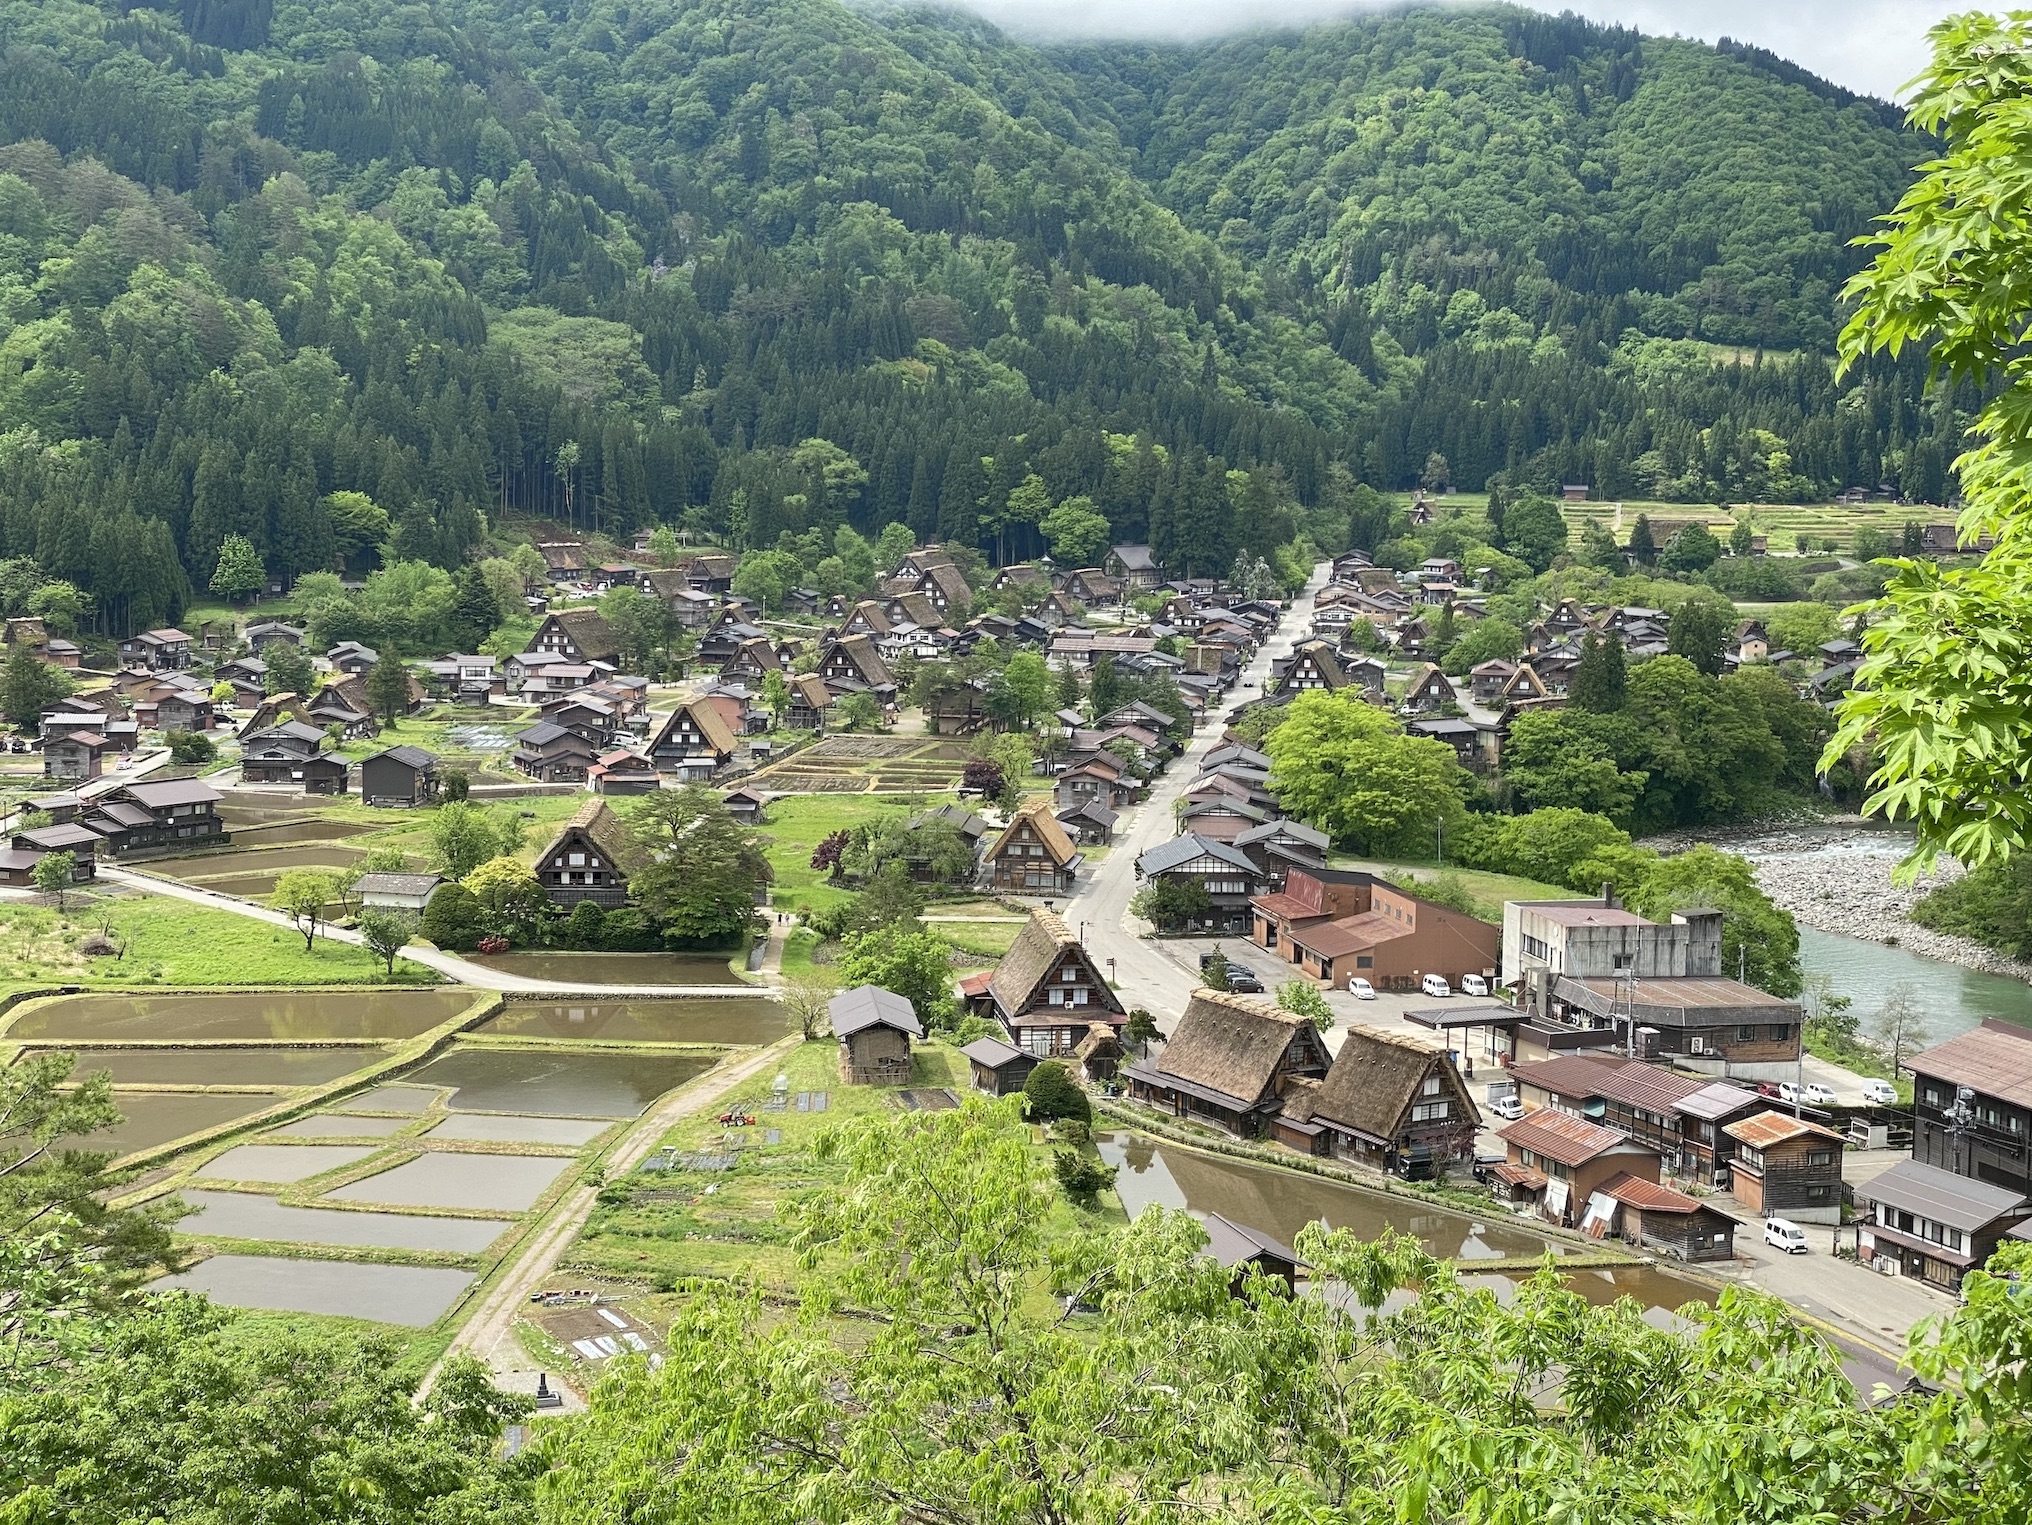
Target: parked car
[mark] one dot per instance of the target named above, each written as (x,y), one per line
(1818,1095)
(1473,984)
(1360,988)
(1244,979)
(1436,986)
(1786,1235)
(1770,1090)
(1509,1108)
(1787,1091)
(1880,1093)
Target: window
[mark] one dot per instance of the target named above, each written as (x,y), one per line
(1819,1157)
(1622,961)
(1429,1112)
(1068,974)
(1817,1193)
(1365,961)
(1431,1086)
(576,859)
(1747,1033)
(1536,947)
(1780,1031)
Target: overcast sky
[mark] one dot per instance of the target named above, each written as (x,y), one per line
(1873,45)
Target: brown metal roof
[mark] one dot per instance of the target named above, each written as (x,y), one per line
(1768,1128)
(1994,1059)
(1650,1197)
(1591,914)
(1350,935)
(1569,1140)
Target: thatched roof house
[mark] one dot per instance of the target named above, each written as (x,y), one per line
(1047,991)
(1392,1102)
(1227,1061)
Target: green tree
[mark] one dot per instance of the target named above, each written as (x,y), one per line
(1172,903)
(915,964)
(1546,845)
(1346,767)
(1302,998)
(1534,531)
(52,875)
(859,712)
(639,622)
(1141,1028)
(386,932)
(1554,760)
(476,610)
(776,696)
(1803,628)
(1643,548)
(1600,675)
(1700,631)
(1759,940)
(239,573)
(508,894)
(29,685)
(1081,1176)
(289,670)
(1598,548)
(1742,537)
(1692,549)
(1943,694)
(892,898)
(1077,533)
(387,685)
(699,873)
(463,836)
(1029,684)
(1052,1094)
(190,747)
(1490,640)
(302,894)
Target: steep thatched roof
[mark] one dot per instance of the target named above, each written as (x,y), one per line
(1056,843)
(606,831)
(1039,948)
(1234,1044)
(1376,1077)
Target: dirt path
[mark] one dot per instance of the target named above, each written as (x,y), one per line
(492,1318)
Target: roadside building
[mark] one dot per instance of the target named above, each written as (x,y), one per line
(1787,1167)
(1560,1162)
(1033,855)
(1681,1116)
(1227,1060)
(1339,925)
(1972,1105)
(396,892)
(693,743)
(1226,873)
(1047,990)
(875,1028)
(1654,1217)
(1933,1224)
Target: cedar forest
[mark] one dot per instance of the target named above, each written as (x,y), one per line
(356,275)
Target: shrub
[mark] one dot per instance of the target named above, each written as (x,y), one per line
(583,928)
(628,931)
(1082,1176)
(191,747)
(453,918)
(1052,1094)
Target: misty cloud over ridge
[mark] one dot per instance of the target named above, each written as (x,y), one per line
(1868,45)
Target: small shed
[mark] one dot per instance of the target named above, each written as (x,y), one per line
(1100,1052)
(397,892)
(322,775)
(998,1068)
(401,776)
(747,805)
(1239,1249)
(875,1028)
(1656,1217)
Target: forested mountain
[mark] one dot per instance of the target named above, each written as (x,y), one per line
(772,266)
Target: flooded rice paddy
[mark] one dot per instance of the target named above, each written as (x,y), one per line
(224,1066)
(390,1098)
(284,1015)
(245,1215)
(276,1164)
(557,1083)
(261,831)
(508,1183)
(247,860)
(491,1128)
(152,1118)
(615,968)
(413,1296)
(337,1125)
(709,1019)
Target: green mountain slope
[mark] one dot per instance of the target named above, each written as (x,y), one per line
(621,261)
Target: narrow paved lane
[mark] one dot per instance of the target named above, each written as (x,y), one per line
(450,965)
(1145,972)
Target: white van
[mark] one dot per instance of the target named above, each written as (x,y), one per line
(1360,988)
(1436,986)
(1786,1235)
(1473,984)
(1880,1093)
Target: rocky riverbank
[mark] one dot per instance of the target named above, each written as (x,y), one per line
(1843,883)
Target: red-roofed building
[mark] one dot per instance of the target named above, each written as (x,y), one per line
(1576,1158)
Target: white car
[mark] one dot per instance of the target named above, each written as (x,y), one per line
(1880,1093)
(1818,1095)
(1786,1235)
(1435,985)
(1360,988)
(1473,984)
(1509,1108)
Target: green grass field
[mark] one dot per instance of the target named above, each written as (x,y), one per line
(797,823)
(172,942)
(1780,522)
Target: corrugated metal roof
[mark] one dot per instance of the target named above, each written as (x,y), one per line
(1914,1187)
(1768,1128)
(1992,1059)
(1557,1136)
